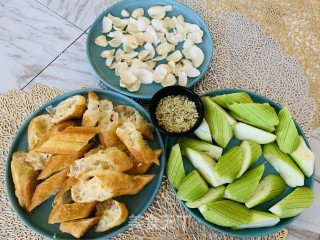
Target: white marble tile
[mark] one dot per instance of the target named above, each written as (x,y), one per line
(31,37)
(81,13)
(316,133)
(315,146)
(69,71)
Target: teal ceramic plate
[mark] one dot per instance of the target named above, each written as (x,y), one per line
(146,91)
(254,232)
(136,204)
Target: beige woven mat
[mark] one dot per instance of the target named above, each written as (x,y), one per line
(264,47)
(165,219)
(295,25)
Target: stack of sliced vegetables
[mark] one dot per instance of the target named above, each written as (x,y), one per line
(226,185)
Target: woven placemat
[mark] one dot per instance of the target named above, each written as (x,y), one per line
(247,56)
(165,219)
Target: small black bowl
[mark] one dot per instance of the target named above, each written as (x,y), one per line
(176,91)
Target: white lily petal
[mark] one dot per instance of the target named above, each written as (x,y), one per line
(151,64)
(186,62)
(162,37)
(117,40)
(149,47)
(121,66)
(155,37)
(134,87)
(109,61)
(158,25)
(165,48)
(106,25)
(119,54)
(139,38)
(156,12)
(180,19)
(101,41)
(125,13)
(123,84)
(197,56)
(142,75)
(177,69)
(159,73)
(191,71)
(127,76)
(107,53)
(183,79)
(143,23)
(160,57)
(160,15)
(136,63)
(192,27)
(189,42)
(126,48)
(195,36)
(167,8)
(116,21)
(169,80)
(132,28)
(144,55)
(137,13)
(114,64)
(171,65)
(176,56)
(114,33)
(174,38)
(186,53)
(163,68)
(148,37)
(129,55)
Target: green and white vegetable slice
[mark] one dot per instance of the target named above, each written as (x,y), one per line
(213,194)
(202,146)
(242,188)
(226,213)
(259,219)
(304,158)
(228,166)
(266,128)
(211,103)
(192,187)
(294,203)
(243,131)
(284,165)
(216,117)
(269,188)
(226,99)
(251,153)
(175,168)
(288,138)
(256,114)
(203,163)
(203,132)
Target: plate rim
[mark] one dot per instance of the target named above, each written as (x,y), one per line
(212,225)
(8,177)
(118,89)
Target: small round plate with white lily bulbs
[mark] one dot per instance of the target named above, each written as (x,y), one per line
(138,47)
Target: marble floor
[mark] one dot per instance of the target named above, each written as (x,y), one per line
(43,41)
